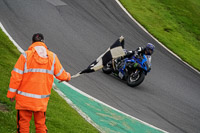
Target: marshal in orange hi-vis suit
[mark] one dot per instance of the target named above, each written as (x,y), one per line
(31,82)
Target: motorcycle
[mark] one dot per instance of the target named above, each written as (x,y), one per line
(133,70)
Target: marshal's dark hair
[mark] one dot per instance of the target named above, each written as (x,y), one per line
(38,37)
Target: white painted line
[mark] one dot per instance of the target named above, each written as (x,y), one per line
(12,40)
(85,116)
(154,37)
(54,87)
(85,94)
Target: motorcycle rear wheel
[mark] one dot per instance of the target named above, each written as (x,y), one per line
(135,80)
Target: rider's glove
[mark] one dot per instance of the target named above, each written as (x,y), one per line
(136,55)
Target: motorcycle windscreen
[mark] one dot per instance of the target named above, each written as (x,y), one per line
(148,62)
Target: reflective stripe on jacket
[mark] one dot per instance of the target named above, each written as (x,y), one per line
(32,78)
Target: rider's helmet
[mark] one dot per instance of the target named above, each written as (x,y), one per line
(38,37)
(149,48)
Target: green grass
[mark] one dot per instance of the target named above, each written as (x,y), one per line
(61,118)
(175,23)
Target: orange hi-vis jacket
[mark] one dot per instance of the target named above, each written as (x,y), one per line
(32,78)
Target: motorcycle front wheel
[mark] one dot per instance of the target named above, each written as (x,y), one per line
(135,80)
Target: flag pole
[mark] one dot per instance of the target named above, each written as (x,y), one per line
(74,76)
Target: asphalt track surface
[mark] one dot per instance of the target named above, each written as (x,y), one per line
(78,31)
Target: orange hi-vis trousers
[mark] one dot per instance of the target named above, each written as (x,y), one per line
(23,121)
